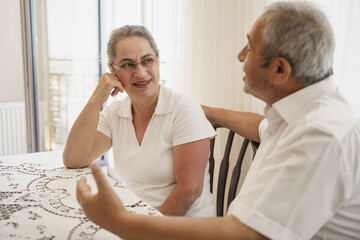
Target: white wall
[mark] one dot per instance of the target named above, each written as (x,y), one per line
(11,59)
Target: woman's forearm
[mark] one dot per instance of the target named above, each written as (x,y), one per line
(180,200)
(79,146)
(81,137)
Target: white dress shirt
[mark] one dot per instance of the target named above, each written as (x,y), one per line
(304,182)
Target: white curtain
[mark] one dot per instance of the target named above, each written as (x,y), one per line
(206,36)
(344,17)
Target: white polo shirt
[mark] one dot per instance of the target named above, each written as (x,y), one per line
(304,182)
(148,170)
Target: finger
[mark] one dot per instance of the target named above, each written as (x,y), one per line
(115,91)
(119,85)
(82,189)
(100,178)
(121,89)
(114,82)
(111,69)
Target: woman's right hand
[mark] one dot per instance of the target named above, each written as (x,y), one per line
(109,84)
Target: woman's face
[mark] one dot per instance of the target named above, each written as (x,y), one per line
(140,81)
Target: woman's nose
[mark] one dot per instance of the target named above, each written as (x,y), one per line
(140,71)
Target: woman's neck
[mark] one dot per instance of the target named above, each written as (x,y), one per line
(143,110)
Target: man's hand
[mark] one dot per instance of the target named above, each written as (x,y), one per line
(103,208)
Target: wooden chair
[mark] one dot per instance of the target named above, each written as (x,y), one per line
(224,169)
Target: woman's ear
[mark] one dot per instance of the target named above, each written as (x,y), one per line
(281,70)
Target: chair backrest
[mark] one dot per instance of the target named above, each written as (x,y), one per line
(224,169)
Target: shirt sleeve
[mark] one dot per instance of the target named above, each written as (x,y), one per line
(190,123)
(263,124)
(105,120)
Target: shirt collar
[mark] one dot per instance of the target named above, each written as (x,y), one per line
(125,110)
(163,105)
(290,107)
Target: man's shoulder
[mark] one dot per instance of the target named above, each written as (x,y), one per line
(331,114)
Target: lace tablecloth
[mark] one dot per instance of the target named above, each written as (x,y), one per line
(38,199)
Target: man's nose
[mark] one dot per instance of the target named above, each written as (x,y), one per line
(242,54)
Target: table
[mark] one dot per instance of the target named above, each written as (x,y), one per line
(38,199)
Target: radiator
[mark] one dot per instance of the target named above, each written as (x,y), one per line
(13,138)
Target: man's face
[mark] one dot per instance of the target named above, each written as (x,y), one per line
(256,79)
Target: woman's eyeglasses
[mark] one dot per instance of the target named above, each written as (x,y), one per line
(147,62)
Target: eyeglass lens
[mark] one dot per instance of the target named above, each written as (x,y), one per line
(146,62)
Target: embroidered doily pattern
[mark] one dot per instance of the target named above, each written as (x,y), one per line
(38,200)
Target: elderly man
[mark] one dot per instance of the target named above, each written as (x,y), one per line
(305,179)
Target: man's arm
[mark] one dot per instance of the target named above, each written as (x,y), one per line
(133,226)
(245,124)
(106,209)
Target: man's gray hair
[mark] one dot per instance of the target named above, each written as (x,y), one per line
(300,33)
(127,31)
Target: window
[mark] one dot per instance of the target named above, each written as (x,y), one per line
(71,38)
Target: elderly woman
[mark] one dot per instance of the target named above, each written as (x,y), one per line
(160,138)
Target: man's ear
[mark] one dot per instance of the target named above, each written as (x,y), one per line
(281,70)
